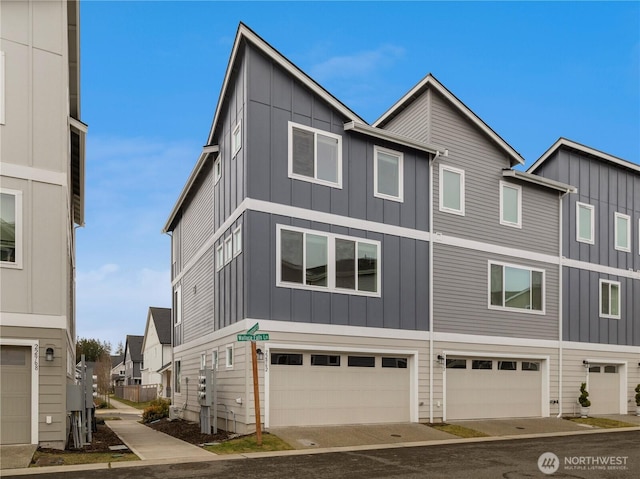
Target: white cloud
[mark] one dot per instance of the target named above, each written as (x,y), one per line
(358,65)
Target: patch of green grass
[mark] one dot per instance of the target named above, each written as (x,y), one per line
(458,430)
(41,458)
(137,405)
(601,422)
(249,444)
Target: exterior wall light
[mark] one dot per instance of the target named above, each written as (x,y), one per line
(440,359)
(585,363)
(49,354)
(259,354)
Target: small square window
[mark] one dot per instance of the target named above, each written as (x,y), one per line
(388,174)
(229,356)
(217,169)
(510,205)
(237,241)
(228,249)
(622,232)
(585,223)
(451,185)
(609,299)
(219,257)
(236,139)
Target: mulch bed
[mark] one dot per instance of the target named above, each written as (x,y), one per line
(100,442)
(187,431)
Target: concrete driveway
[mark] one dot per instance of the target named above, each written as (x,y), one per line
(515,427)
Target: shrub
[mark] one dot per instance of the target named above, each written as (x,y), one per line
(158,409)
(638,395)
(101,404)
(584,396)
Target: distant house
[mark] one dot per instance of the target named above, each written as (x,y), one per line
(133,360)
(156,350)
(117,370)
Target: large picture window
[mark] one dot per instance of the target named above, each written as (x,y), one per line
(451,186)
(11,228)
(514,287)
(609,299)
(584,223)
(317,260)
(388,174)
(315,155)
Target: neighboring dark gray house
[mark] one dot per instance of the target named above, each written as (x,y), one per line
(133,360)
(601,269)
(403,271)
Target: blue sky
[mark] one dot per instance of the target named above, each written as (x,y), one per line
(152,72)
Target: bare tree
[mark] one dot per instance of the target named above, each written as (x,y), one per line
(102,369)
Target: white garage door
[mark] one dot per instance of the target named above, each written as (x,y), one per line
(15,392)
(322,388)
(480,388)
(604,389)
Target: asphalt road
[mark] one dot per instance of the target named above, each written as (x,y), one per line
(514,459)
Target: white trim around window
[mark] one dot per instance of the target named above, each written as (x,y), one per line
(237,241)
(11,213)
(2,88)
(388,176)
(214,359)
(526,292)
(610,296)
(177,306)
(321,261)
(585,233)
(228,249)
(228,356)
(451,192)
(219,256)
(507,190)
(177,377)
(236,139)
(322,148)
(217,169)
(622,239)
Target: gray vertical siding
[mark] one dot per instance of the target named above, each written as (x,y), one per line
(274,99)
(229,294)
(582,321)
(404,265)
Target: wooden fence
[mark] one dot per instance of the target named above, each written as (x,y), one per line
(137,393)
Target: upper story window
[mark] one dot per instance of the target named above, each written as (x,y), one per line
(219,257)
(236,139)
(217,169)
(315,155)
(327,262)
(585,223)
(515,287)
(177,304)
(622,232)
(228,249)
(387,174)
(510,205)
(237,241)
(609,299)
(10,228)
(451,190)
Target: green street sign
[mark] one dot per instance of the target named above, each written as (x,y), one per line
(262,337)
(246,337)
(253,329)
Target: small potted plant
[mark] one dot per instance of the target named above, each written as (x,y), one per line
(584,400)
(638,400)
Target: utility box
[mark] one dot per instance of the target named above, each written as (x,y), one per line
(75,399)
(206,379)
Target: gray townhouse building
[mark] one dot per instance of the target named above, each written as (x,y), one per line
(404,270)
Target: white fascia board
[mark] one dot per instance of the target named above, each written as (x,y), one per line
(539,180)
(245,32)
(192,178)
(430,82)
(584,149)
(393,137)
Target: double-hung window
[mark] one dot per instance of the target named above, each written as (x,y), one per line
(451,186)
(510,205)
(219,257)
(516,287)
(585,223)
(387,174)
(609,299)
(315,155)
(228,249)
(622,232)
(237,241)
(236,139)
(327,262)
(10,228)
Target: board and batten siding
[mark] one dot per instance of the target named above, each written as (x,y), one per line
(275,99)
(609,188)
(581,315)
(405,281)
(229,282)
(461,296)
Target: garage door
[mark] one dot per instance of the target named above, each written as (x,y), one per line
(604,389)
(322,388)
(15,392)
(480,388)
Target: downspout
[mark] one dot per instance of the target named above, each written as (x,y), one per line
(433,159)
(560,303)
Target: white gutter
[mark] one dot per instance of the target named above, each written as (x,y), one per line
(395,138)
(539,180)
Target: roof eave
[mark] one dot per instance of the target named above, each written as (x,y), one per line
(394,138)
(540,180)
